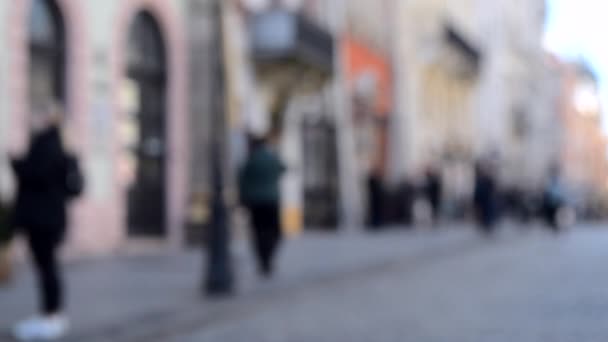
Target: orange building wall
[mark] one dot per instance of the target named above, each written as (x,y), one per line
(359,60)
(584,144)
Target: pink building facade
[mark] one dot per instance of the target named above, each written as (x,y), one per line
(105,103)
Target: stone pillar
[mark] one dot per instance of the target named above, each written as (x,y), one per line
(201,31)
(5,176)
(351,201)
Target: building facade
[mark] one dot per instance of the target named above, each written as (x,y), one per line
(119,71)
(286,95)
(369,89)
(439,61)
(515,89)
(583,145)
(472,81)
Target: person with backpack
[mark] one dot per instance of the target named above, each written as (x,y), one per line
(47,177)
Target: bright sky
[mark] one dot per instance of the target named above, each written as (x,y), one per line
(577,29)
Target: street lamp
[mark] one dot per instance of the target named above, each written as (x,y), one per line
(284,44)
(219,276)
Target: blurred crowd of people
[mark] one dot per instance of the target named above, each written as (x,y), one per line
(430,200)
(490,200)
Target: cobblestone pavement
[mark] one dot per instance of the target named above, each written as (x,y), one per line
(155,296)
(528,286)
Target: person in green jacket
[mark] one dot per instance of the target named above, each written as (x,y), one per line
(259,183)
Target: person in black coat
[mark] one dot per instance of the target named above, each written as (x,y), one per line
(41,196)
(44,186)
(485,195)
(433,190)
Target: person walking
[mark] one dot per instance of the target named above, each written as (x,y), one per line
(259,188)
(433,190)
(375,201)
(553,199)
(485,195)
(47,177)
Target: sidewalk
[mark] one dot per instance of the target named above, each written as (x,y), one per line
(112,299)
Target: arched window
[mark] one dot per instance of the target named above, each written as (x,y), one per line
(146,73)
(47,54)
(146,53)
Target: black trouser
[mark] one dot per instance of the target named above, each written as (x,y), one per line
(43,248)
(550,212)
(375,202)
(266,231)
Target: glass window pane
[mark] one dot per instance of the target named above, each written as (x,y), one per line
(145,45)
(42,26)
(46,58)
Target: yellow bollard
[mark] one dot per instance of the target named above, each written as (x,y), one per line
(292,221)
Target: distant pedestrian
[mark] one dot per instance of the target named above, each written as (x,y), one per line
(433,190)
(259,183)
(554,200)
(485,195)
(375,200)
(47,177)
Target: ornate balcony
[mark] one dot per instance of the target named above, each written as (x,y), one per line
(286,42)
(466,57)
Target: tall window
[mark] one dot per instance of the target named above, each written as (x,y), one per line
(47,55)
(146,51)
(147,77)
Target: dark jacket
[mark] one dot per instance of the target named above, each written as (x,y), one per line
(433,189)
(41,194)
(485,197)
(260,176)
(5,227)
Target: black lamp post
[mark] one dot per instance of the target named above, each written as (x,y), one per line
(219,277)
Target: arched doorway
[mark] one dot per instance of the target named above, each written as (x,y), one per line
(320,173)
(147,79)
(46,55)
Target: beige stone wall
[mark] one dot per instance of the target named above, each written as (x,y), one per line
(438,103)
(515,90)
(478,114)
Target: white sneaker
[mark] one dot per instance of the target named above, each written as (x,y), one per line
(26,330)
(55,327)
(41,329)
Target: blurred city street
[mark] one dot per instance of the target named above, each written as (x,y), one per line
(120,298)
(534,288)
(303,170)
(525,284)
